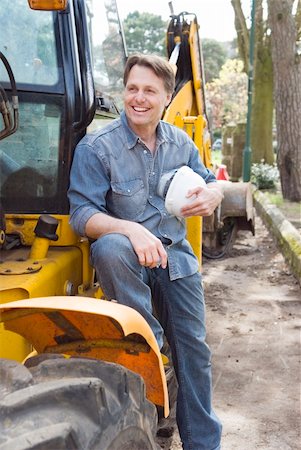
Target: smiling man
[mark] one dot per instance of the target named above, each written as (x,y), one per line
(139,251)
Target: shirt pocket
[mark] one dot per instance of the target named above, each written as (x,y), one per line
(128,198)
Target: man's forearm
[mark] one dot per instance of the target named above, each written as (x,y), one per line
(147,246)
(218,187)
(100,224)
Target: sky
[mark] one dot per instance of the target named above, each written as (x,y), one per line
(215,17)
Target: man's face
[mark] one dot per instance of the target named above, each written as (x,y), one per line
(145,98)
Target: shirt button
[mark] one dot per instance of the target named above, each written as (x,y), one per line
(145,151)
(129,190)
(150,196)
(165,235)
(153,173)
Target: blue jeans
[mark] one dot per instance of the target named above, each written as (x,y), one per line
(180,308)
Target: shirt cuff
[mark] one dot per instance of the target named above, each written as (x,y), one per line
(80,218)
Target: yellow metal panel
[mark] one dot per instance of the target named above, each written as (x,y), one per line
(181,105)
(48,5)
(61,265)
(24,225)
(11,294)
(194,235)
(10,268)
(200,124)
(196,67)
(12,345)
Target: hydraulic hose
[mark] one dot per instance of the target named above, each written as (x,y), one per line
(10,124)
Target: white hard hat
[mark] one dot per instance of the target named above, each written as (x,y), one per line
(174,187)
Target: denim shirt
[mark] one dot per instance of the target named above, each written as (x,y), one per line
(113,172)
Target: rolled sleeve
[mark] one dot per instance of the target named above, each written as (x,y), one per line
(88,187)
(80,217)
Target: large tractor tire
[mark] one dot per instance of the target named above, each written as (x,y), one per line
(76,403)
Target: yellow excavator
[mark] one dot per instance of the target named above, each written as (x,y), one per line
(188,111)
(77,371)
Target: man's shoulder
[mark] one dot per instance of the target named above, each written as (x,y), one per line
(174,133)
(106,132)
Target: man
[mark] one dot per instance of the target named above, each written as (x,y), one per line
(140,253)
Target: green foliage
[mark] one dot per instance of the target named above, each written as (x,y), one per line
(145,33)
(214,58)
(264,176)
(217,134)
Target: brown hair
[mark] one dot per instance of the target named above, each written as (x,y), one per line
(157,64)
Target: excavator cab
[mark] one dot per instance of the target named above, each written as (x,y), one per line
(63,70)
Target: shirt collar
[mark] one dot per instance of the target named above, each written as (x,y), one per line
(132,138)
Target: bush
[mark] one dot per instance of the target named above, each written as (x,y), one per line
(264,176)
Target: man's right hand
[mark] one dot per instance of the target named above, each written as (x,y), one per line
(149,248)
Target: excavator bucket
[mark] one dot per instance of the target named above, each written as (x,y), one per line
(236,212)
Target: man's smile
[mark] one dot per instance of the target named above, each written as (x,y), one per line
(140,109)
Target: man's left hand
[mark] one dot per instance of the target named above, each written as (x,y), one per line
(207,198)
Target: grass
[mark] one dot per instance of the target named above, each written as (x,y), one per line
(275,198)
(291,210)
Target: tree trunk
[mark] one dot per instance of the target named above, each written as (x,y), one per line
(263,106)
(287,89)
(262,102)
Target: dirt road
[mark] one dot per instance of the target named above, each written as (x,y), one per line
(253,325)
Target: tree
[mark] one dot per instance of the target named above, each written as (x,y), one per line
(145,33)
(262,111)
(214,58)
(285,34)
